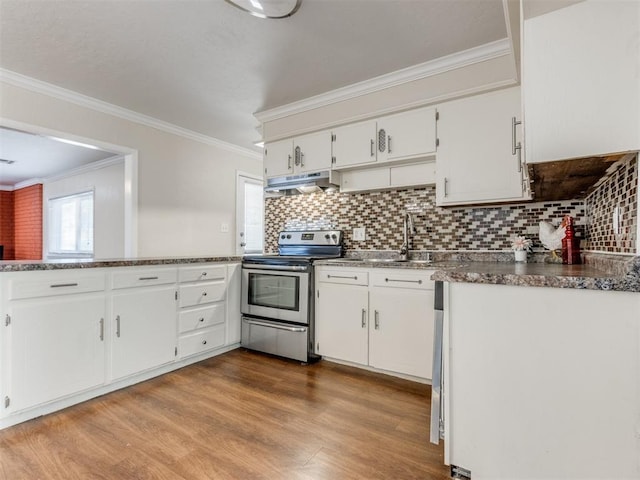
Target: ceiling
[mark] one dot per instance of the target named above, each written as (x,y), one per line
(206,66)
(38,156)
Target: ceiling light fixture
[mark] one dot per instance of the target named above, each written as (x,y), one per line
(73,142)
(267,8)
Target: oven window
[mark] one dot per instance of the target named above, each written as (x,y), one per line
(274,291)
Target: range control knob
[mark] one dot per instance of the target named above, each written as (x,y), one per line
(334,236)
(288,237)
(327,236)
(282,237)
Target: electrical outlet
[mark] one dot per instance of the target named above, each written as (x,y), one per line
(224,227)
(359,234)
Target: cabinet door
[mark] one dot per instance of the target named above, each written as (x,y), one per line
(143,329)
(354,144)
(56,348)
(342,321)
(312,152)
(574,105)
(401,330)
(407,135)
(278,158)
(475,162)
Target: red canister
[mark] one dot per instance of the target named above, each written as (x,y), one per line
(570,244)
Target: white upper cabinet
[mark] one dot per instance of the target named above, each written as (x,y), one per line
(407,135)
(476,162)
(581,81)
(354,145)
(304,154)
(403,136)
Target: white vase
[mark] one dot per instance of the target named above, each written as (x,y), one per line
(521,256)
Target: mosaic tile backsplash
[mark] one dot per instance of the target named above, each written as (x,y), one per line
(621,190)
(474,228)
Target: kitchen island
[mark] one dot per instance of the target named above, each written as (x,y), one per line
(74,330)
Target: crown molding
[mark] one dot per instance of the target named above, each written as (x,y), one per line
(454,61)
(38,86)
(28,183)
(89,167)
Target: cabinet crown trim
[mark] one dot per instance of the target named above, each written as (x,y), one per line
(437,66)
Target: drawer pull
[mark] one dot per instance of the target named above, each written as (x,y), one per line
(204,274)
(204,294)
(342,276)
(204,342)
(58,285)
(419,282)
(148,278)
(201,319)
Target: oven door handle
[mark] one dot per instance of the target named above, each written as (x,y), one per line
(288,268)
(279,327)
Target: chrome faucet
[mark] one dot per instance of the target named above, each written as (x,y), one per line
(408,231)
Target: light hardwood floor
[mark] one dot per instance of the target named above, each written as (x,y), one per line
(241,415)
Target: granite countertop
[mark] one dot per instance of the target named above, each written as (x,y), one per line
(599,271)
(61,264)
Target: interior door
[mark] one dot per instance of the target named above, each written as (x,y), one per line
(249,236)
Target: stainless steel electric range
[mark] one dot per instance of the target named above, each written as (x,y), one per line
(277,294)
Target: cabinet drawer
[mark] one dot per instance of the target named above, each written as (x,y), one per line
(201,273)
(349,277)
(403,279)
(201,293)
(199,318)
(44,284)
(201,341)
(142,277)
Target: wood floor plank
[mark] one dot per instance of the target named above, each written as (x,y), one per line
(241,415)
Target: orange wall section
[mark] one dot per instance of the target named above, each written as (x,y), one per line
(6,223)
(28,223)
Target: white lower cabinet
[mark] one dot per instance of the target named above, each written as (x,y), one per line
(202,294)
(143,329)
(70,335)
(57,348)
(382,318)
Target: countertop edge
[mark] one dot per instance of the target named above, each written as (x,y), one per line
(26,266)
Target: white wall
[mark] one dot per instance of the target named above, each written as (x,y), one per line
(107,184)
(186,188)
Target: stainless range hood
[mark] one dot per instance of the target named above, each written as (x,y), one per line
(304,183)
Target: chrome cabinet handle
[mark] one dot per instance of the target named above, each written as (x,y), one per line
(373,144)
(58,285)
(419,282)
(289,162)
(376,316)
(388,143)
(102,329)
(342,276)
(364,318)
(148,278)
(301,159)
(446,183)
(514,124)
(118,326)
(516,147)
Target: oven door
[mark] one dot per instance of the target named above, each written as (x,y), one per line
(276,293)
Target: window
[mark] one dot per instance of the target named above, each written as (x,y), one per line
(250,214)
(71,225)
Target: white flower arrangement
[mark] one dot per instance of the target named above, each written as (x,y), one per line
(521,243)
